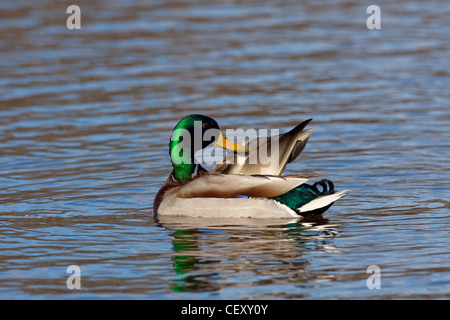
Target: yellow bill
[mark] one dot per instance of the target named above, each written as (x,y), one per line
(223,142)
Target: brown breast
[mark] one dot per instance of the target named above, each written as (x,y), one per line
(172,183)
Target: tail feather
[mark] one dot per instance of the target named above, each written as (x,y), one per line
(321,202)
(308,200)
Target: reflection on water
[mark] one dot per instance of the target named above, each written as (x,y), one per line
(86,116)
(208,255)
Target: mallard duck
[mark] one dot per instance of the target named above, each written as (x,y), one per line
(240,188)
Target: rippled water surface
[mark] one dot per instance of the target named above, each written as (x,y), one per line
(86,116)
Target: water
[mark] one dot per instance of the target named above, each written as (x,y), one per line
(85,118)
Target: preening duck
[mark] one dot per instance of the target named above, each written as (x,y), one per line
(240,187)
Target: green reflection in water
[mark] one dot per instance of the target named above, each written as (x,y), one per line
(185,242)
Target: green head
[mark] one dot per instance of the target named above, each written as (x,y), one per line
(191,134)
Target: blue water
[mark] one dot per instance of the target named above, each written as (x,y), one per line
(86,116)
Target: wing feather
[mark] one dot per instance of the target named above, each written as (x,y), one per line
(288,147)
(233,185)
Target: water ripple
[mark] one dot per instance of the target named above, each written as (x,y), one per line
(86,115)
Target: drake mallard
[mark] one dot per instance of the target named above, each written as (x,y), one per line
(240,188)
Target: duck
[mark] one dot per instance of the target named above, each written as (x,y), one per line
(238,187)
